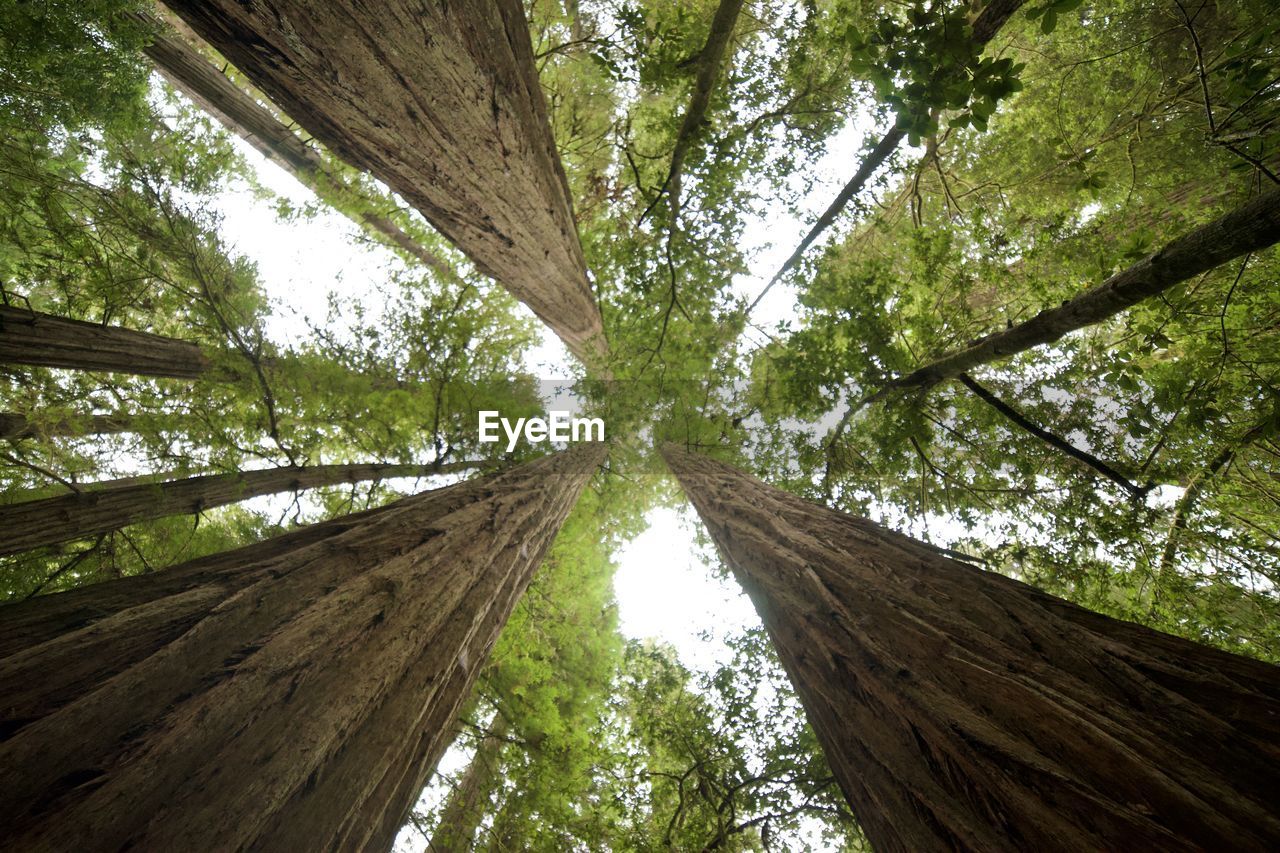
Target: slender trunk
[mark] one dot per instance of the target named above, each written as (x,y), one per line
(15,425)
(442,103)
(1054,441)
(1249,228)
(963,710)
(270,698)
(188,70)
(1267,427)
(103,507)
(46,340)
(709,62)
(465,806)
(43,340)
(985,26)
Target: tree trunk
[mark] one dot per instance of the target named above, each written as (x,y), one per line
(43,340)
(465,806)
(276,698)
(15,426)
(963,710)
(188,70)
(709,62)
(1249,228)
(103,507)
(442,103)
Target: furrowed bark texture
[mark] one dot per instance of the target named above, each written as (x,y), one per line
(188,70)
(442,103)
(1249,228)
(111,505)
(985,26)
(276,698)
(15,425)
(43,340)
(963,710)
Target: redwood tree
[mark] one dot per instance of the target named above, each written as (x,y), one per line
(185,67)
(962,709)
(442,103)
(103,507)
(293,694)
(43,340)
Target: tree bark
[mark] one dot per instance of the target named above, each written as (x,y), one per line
(15,426)
(270,698)
(465,806)
(442,103)
(963,710)
(103,507)
(1249,228)
(43,340)
(986,24)
(188,70)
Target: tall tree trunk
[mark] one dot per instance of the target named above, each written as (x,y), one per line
(186,68)
(15,425)
(442,103)
(464,808)
(1248,228)
(270,698)
(43,340)
(963,710)
(103,507)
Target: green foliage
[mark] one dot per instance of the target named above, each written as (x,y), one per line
(923,59)
(69,66)
(1075,144)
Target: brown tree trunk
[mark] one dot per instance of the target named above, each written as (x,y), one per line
(188,70)
(270,698)
(464,808)
(103,507)
(1249,228)
(15,425)
(963,710)
(43,340)
(442,103)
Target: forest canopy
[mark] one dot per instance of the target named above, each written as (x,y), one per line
(997,276)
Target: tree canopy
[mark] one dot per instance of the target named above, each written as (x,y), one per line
(989,165)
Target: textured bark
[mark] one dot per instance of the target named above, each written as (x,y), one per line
(985,26)
(1249,228)
(43,340)
(276,697)
(103,507)
(187,69)
(963,710)
(465,806)
(442,103)
(15,425)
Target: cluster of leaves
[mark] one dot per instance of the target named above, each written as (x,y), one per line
(922,59)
